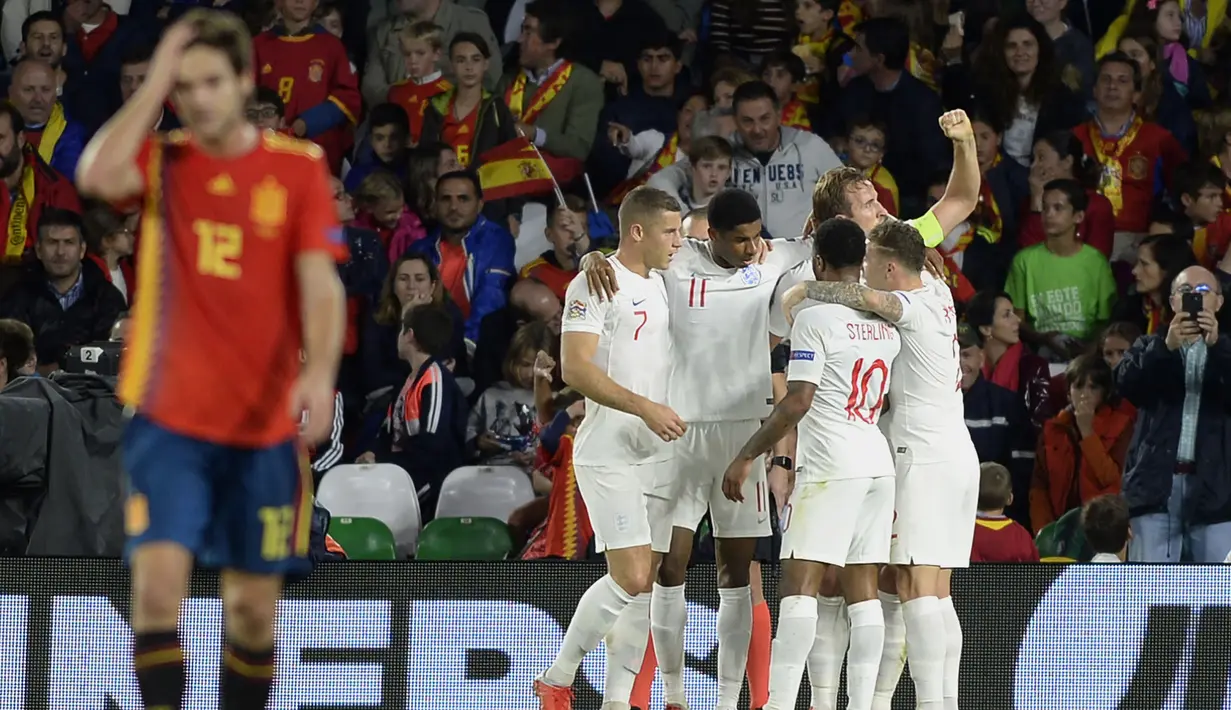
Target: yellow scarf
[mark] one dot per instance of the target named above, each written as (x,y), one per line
(1112,182)
(551,86)
(56,124)
(19,213)
(1226,191)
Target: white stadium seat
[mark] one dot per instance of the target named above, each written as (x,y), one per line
(381,491)
(484,492)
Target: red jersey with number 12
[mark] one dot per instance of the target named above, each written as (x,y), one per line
(213,346)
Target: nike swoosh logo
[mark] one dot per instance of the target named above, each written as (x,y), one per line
(638,303)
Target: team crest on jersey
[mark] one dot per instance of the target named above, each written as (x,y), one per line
(267,69)
(576,310)
(1137,167)
(750,275)
(267,207)
(316,71)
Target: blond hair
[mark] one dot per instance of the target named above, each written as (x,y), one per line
(426,31)
(380,186)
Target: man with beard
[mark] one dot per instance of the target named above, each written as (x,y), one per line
(58,139)
(32,186)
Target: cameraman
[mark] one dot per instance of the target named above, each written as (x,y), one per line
(1177,477)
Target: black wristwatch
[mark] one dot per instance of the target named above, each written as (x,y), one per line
(782,462)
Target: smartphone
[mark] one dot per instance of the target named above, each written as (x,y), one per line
(1192,303)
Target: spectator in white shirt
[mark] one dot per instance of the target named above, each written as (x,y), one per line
(1105,522)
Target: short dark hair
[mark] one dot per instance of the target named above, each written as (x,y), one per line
(388,114)
(1105,521)
(902,241)
(1072,190)
(1173,254)
(1091,368)
(753,91)
(42,16)
(58,217)
(733,207)
(15,120)
(1190,177)
(470,38)
(995,486)
(864,120)
(887,36)
(660,40)
(788,60)
(468,175)
(16,345)
(99,221)
(840,243)
(981,310)
(432,327)
(1118,57)
(572,203)
(138,53)
(266,95)
(555,19)
(831,195)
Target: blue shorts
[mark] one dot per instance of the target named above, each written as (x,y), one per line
(232,507)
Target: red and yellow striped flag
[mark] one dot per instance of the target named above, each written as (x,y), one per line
(512,169)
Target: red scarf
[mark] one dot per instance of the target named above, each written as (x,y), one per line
(92,42)
(1008,371)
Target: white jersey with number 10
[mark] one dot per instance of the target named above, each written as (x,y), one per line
(848,355)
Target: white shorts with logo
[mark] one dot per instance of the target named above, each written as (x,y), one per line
(629,505)
(936,508)
(701,459)
(839,522)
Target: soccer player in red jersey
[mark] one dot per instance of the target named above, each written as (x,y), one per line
(237,273)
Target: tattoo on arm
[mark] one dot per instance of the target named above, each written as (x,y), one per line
(785,416)
(857,296)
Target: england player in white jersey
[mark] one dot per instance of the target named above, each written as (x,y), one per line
(937,468)
(720,385)
(840,511)
(617,353)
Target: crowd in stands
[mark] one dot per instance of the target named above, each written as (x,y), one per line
(1091,277)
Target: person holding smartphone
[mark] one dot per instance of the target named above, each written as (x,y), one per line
(1176,479)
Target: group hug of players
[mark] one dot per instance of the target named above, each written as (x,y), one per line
(686,323)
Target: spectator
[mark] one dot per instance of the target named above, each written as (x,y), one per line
(502,421)
(265,110)
(616,32)
(569,236)
(426,428)
(1082,450)
(109,245)
(97,37)
(565,531)
(1175,477)
(747,31)
(16,349)
(651,152)
(385,63)
(1065,287)
(886,93)
(65,299)
(1160,258)
(33,186)
(556,102)
(865,149)
(784,72)
(528,301)
(1106,524)
(423,51)
(42,39)
(1007,360)
(996,418)
(312,76)
(329,15)
(697,224)
(1073,50)
(135,66)
(412,279)
(1059,155)
(362,275)
(1135,154)
(1115,341)
(468,118)
(381,207)
(1198,189)
(388,139)
(723,84)
(427,163)
(1161,100)
(474,255)
(709,166)
(997,537)
(58,139)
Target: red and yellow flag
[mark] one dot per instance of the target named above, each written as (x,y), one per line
(512,169)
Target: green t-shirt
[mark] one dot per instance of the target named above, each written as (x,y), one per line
(929,228)
(1069,294)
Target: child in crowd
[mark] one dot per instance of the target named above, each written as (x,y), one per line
(381,206)
(1105,523)
(388,141)
(697,224)
(709,161)
(109,244)
(266,110)
(501,423)
(997,538)
(865,148)
(422,49)
(785,72)
(1198,190)
(819,22)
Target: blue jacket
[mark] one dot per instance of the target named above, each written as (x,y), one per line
(1152,378)
(1001,432)
(92,91)
(489,252)
(68,149)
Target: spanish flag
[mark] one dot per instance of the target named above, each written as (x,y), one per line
(513,169)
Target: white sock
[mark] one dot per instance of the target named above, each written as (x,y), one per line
(626,650)
(734,635)
(925,650)
(596,613)
(668,617)
(833,632)
(867,642)
(796,631)
(953,651)
(893,657)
